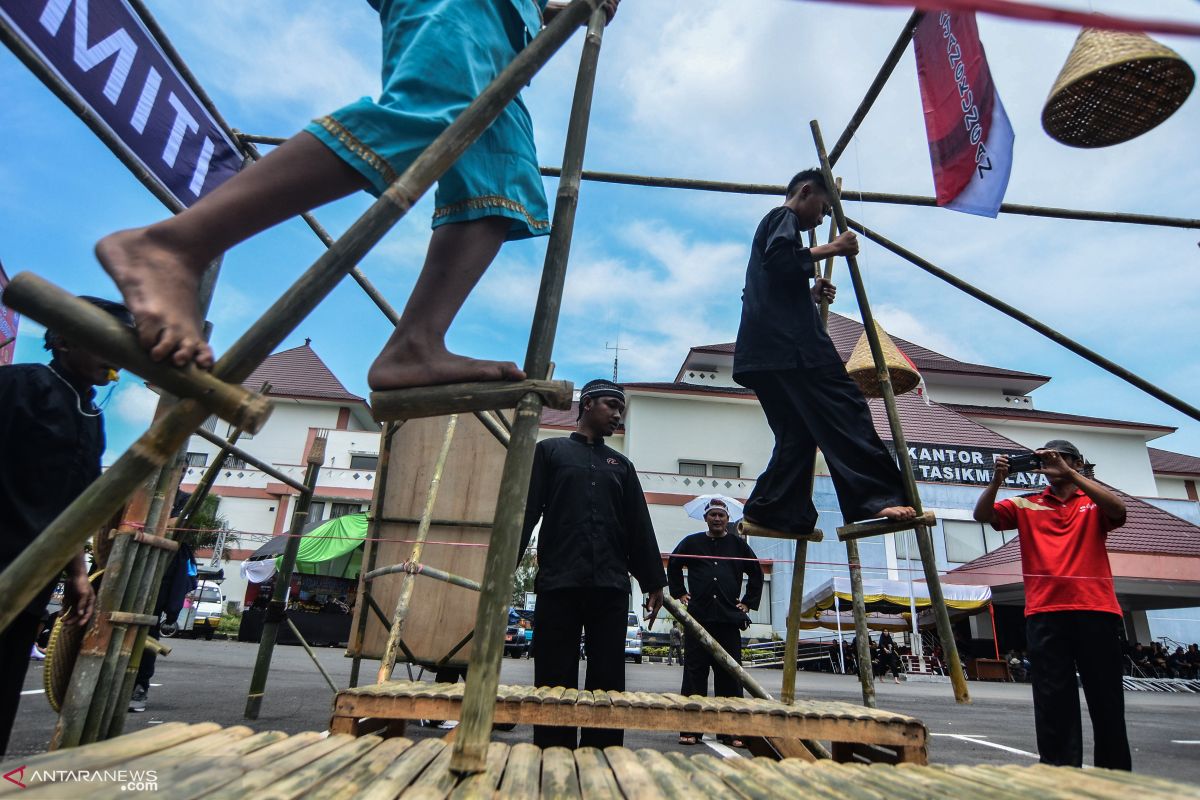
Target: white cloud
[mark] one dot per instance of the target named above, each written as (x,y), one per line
(133,403)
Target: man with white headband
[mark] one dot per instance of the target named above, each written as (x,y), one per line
(715,563)
(596,532)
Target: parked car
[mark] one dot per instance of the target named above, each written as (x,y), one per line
(516,641)
(633,638)
(201,614)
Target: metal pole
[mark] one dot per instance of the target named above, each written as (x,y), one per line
(392,647)
(276,611)
(1028,321)
(837,610)
(924,541)
(483,676)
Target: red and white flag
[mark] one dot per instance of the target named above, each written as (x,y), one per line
(970,138)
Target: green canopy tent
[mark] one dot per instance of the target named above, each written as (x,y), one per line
(333,548)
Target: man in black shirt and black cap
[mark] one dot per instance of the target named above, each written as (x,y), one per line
(715,562)
(51,438)
(595,533)
(786,357)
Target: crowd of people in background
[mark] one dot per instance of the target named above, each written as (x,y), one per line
(1156,660)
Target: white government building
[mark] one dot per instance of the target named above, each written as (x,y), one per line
(969,412)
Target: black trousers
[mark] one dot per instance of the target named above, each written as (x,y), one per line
(1061,642)
(697,661)
(16,643)
(559,618)
(819,407)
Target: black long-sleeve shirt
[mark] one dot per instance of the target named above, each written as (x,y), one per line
(596,528)
(781,324)
(49,453)
(715,582)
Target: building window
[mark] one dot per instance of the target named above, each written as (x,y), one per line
(703,469)
(342,509)
(363,462)
(245,435)
(233,462)
(967,541)
(316,511)
(210,424)
(197,459)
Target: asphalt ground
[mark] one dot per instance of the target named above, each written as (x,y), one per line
(208,681)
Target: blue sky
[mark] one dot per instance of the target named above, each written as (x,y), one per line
(703,89)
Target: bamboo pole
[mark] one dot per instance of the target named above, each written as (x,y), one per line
(862,635)
(791,644)
(415,568)
(392,647)
(42,559)
(454,398)
(483,676)
(493,426)
(205,484)
(80,321)
(888,198)
(726,661)
(308,649)
(257,463)
(924,541)
(375,531)
(1029,322)
(277,611)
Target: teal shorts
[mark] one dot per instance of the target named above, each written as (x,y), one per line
(438,55)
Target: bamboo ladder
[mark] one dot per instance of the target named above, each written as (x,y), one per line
(132,575)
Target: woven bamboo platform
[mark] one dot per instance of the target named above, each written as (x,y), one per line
(205,760)
(855,731)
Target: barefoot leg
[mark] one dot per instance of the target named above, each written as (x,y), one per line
(158,268)
(898,512)
(415,354)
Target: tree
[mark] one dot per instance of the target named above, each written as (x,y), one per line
(524,574)
(205,526)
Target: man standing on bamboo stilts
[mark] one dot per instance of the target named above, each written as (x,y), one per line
(438,55)
(51,438)
(785,356)
(716,562)
(596,532)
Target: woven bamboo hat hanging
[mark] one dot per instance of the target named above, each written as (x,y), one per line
(1114,87)
(861,366)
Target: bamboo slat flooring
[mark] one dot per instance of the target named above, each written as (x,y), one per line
(204,761)
(856,730)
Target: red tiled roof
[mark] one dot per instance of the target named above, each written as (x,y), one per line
(299,372)
(1147,529)
(553,418)
(845,333)
(1055,416)
(930,423)
(1174,463)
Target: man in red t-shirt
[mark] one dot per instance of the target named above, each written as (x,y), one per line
(1072,619)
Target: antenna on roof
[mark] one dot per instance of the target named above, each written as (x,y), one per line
(307,341)
(616,355)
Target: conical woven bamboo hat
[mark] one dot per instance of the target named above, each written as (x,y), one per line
(1114,87)
(861,366)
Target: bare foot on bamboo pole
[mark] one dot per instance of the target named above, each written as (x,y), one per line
(405,365)
(160,286)
(898,513)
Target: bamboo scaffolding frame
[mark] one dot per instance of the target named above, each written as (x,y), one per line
(79,320)
(475,727)
(276,610)
(494,427)
(1029,321)
(924,540)
(390,650)
(227,447)
(415,568)
(726,661)
(774,189)
(308,649)
(39,562)
(375,532)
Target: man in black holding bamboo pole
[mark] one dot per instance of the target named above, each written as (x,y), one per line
(786,357)
(596,532)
